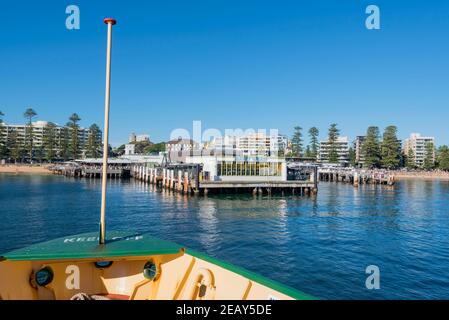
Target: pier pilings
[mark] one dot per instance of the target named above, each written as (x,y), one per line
(188,179)
(356,177)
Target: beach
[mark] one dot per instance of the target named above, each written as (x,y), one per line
(422,175)
(399,175)
(25,169)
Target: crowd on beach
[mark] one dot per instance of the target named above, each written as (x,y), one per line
(437,174)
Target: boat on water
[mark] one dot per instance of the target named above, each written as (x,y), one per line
(126,265)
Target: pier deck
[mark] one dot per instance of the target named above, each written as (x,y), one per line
(188,179)
(356,176)
(191,178)
(258,184)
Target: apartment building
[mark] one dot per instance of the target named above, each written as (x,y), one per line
(254,144)
(418,145)
(341,147)
(38,133)
(178,149)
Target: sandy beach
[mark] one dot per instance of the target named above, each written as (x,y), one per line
(25,169)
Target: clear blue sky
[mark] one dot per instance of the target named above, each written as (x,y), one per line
(230,64)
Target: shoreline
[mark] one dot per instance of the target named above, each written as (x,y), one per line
(441,176)
(398,175)
(25,169)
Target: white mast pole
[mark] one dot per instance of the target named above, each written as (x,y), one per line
(110,22)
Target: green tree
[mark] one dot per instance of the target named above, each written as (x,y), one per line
(352,160)
(313,136)
(14,146)
(155,148)
(390,148)
(64,143)
(50,142)
(429,157)
(410,162)
(297,142)
(308,152)
(29,114)
(94,141)
(333,134)
(141,146)
(371,148)
(281,151)
(119,151)
(443,158)
(75,146)
(39,153)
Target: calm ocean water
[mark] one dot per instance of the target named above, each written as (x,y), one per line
(318,245)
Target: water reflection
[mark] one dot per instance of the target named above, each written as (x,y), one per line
(319,244)
(208,223)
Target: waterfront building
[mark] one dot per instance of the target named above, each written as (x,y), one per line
(417,144)
(341,147)
(130,149)
(283,143)
(250,145)
(258,144)
(358,142)
(177,150)
(149,160)
(38,134)
(226,145)
(240,168)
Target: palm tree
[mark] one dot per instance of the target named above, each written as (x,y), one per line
(29,114)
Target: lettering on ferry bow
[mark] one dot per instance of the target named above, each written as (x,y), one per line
(92,239)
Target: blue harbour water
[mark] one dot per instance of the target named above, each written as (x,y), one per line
(318,245)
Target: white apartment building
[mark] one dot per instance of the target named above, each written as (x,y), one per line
(283,142)
(258,144)
(417,144)
(223,145)
(178,149)
(255,144)
(341,146)
(38,133)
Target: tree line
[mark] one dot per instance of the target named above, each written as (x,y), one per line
(142,147)
(377,151)
(57,143)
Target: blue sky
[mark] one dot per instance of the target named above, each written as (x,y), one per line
(230,64)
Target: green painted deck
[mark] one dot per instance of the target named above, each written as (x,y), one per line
(126,244)
(85,246)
